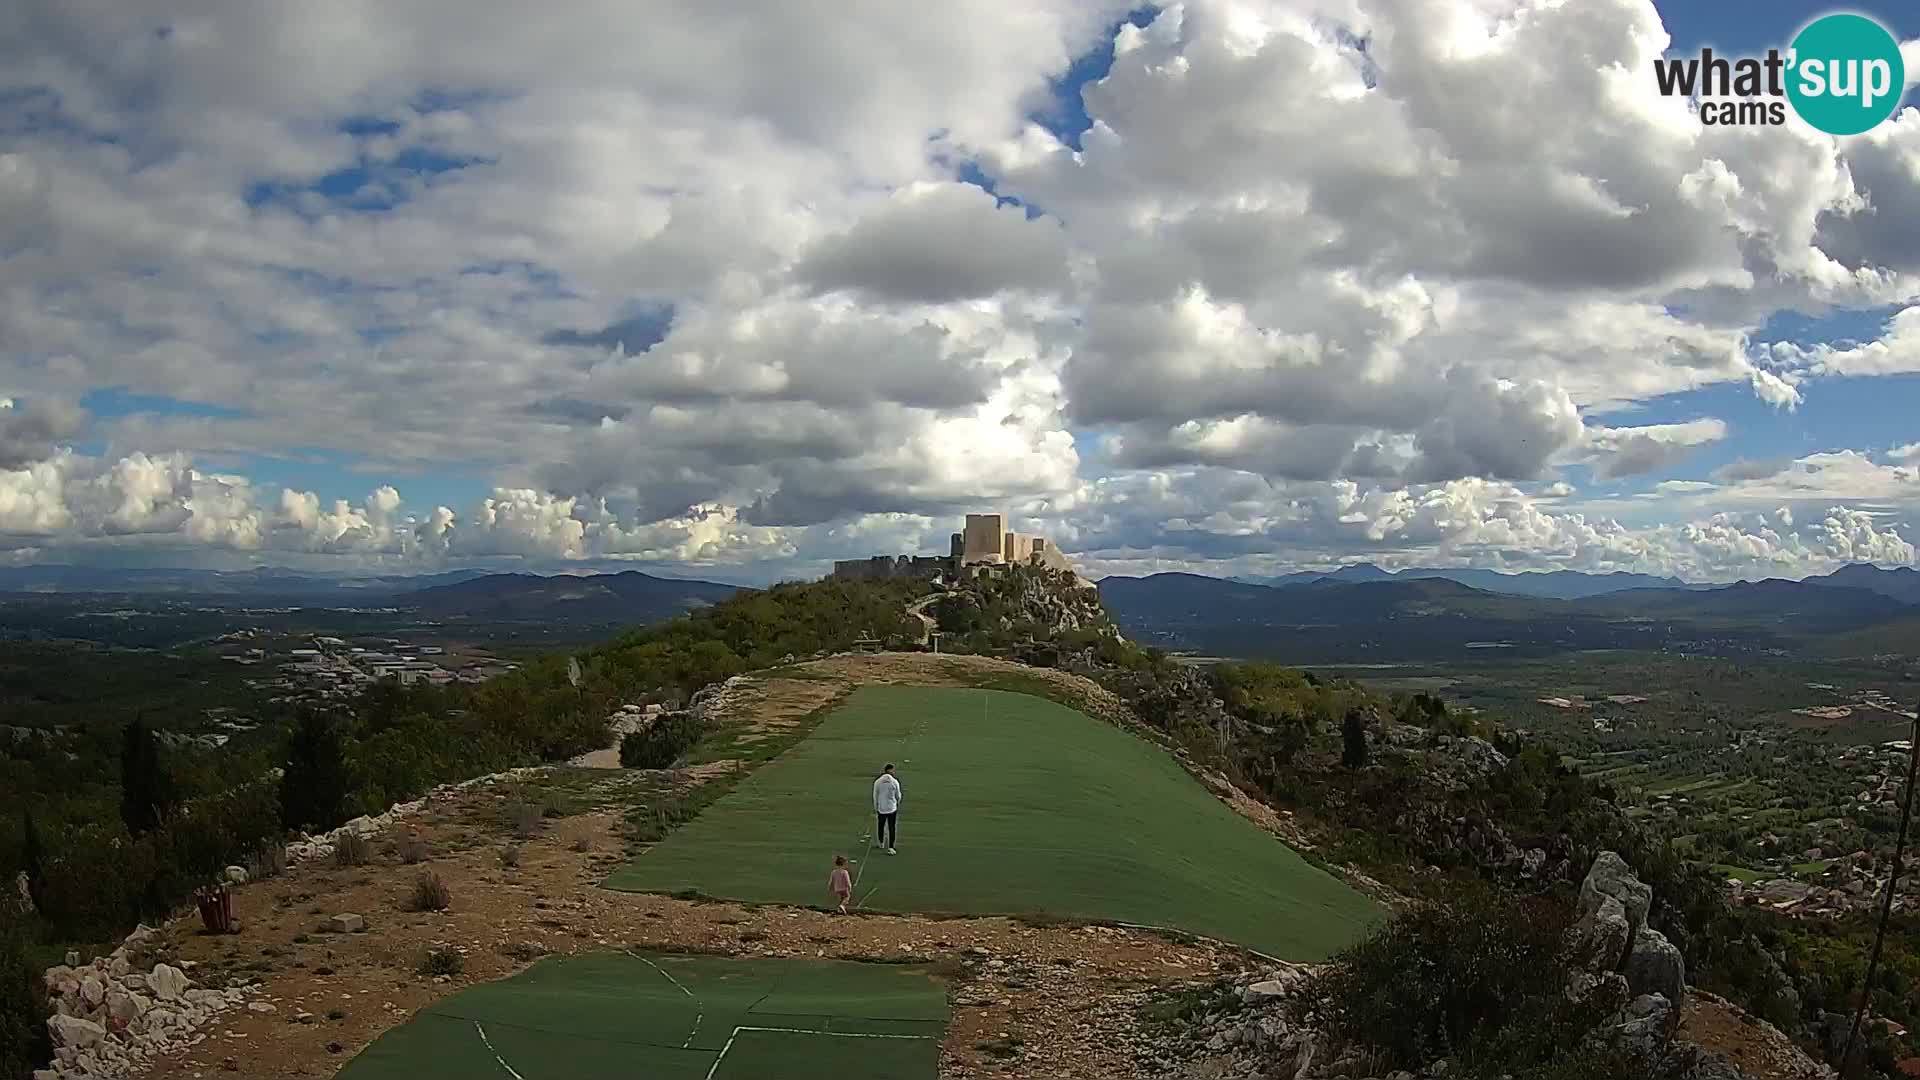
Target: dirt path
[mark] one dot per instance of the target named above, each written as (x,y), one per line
(918,609)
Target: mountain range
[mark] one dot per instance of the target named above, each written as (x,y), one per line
(628,597)
(1902,583)
(266,581)
(1402,617)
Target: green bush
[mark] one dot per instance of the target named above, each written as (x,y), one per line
(658,747)
(1478,977)
(93,882)
(442,960)
(23,1000)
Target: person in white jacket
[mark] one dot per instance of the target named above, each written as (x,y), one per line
(886,805)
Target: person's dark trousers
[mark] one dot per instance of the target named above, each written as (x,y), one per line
(889,829)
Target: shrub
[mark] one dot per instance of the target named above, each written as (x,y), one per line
(510,856)
(93,882)
(414,851)
(661,745)
(651,824)
(1478,977)
(524,818)
(430,893)
(23,1002)
(269,860)
(442,960)
(351,849)
(582,840)
(525,952)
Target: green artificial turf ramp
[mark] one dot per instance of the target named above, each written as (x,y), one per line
(1011,804)
(616,1016)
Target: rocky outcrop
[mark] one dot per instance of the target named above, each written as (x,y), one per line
(1612,933)
(1654,966)
(1611,877)
(111,1018)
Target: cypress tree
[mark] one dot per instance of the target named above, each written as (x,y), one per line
(314,787)
(146,791)
(1353,735)
(32,856)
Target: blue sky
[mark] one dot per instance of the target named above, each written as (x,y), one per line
(1858,413)
(264,247)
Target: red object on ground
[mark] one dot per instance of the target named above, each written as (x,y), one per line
(216,909)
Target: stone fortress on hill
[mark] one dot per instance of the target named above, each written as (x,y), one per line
(984,545)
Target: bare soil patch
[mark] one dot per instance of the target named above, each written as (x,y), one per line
(1757,1048)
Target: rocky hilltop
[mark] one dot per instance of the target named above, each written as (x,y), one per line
(1535,923)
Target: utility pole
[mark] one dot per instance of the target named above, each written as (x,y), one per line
(1886,903)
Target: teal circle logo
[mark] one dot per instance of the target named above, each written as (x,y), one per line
(1846,74)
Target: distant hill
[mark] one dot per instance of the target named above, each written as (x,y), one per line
(629,597)
(1816,606)
(1902,582)
(263,581)
(1406,617)
(1553,584)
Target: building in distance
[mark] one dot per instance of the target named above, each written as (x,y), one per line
(983,543)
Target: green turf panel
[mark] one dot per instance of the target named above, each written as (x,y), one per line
(757,1055)
(1012,805)
(428,1046)
(597,996)
(539,1055)
(872,991)
(616,1016)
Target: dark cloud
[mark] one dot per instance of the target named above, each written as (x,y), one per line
(634,334)
(30,430)
(938,244)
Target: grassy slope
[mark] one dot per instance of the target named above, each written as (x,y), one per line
(1013,805)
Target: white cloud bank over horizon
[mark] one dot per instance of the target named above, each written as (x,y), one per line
(687,294)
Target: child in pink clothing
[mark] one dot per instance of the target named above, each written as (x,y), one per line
(841,883)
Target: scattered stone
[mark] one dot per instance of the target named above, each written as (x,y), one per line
(303,1017)
(168,982)
(345,924)
(261,1007)
(72,1031)
(236,875)
(1265,990)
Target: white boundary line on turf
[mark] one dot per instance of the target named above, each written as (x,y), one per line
(496,1053)
(699,1007)
(715,1067)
